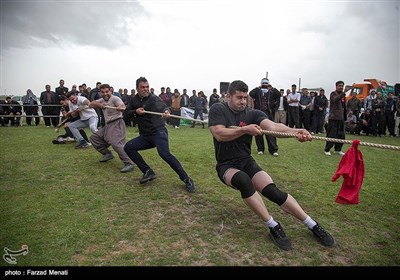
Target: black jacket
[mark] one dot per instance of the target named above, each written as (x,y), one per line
(147,123)
(273,98)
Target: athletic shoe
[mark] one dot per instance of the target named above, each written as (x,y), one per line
(106,157)
(279,237)
(82,144)
(190,186)
(275,154)
(323,236)
(127,168)
(148,176)
(260,153)
(327,153)
(339,153)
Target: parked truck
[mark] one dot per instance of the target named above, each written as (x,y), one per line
(362,89)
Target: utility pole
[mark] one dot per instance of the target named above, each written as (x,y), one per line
(266,76)
(299,83)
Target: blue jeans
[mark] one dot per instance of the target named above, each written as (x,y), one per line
(159,140)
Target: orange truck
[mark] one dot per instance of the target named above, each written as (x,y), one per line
(362,89)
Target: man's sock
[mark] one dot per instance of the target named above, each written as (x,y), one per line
(271,223)
(309,222)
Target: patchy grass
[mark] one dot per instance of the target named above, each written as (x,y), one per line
(72,210)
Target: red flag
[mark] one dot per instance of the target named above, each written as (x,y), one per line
(351,167)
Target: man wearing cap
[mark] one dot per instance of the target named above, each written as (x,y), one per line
(265,99)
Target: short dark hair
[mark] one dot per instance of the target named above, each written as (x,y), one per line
(237,86)
(339,82)
(103,86)
(70,93)
(141,80)
(294,86)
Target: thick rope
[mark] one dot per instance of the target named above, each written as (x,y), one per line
(334,140)
(161,114)
(174,116)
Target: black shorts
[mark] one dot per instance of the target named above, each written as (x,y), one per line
(247,165)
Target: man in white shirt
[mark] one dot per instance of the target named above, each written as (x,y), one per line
(87,117)
(293,109)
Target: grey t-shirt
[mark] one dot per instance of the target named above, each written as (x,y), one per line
(111,114)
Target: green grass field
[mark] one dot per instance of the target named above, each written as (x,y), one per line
(72,210)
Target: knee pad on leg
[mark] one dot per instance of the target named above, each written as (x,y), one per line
(242,182)
(274,194)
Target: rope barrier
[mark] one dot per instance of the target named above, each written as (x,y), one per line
(334,140)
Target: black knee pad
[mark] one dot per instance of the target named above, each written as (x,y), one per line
(242,182)
(274,194)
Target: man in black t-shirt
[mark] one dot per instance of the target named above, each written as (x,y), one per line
(236,167)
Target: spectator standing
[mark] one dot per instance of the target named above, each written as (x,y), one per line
(50,106)
(281,108)
(31,107)
(94,95)
(320,105)
(305,113)
(337,113)
(185,99)
(192,99)
(354,105)
(176,104)
(293,109)
(397,120)
(378,115)
(265,99)
(390,109)
(199,103)
(214,98)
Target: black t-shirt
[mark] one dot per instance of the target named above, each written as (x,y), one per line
(240,148)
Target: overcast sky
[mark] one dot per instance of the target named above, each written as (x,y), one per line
(196,44)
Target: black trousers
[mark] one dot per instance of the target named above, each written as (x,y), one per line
(335,129)
(271,142)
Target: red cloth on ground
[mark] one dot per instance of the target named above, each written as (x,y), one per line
(351,167)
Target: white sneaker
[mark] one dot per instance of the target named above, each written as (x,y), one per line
(327,153)
(275,154)
(260,153)
(339,153)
